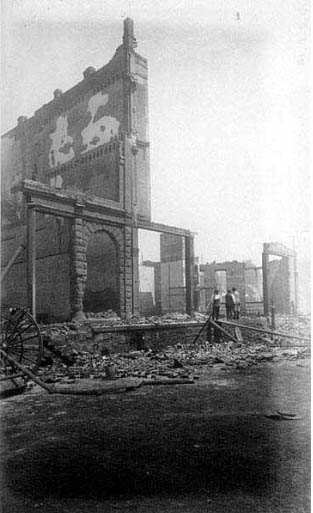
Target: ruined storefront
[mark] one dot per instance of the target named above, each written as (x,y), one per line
(75,192)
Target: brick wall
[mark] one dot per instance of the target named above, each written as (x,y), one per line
(126,338)
(79,136)
(140,126)
(52,267)
(278,279)
(173,273)
(36,150)
(172,247)
(62,267)
(53,287)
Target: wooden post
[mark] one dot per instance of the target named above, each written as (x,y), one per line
(273,326)
(31,259)
(209,332)
(189,263)
(265,260)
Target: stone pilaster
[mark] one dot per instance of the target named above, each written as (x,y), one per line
(131,271)
(78,268)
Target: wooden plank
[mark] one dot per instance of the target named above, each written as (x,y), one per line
(238,334)
(217,326)
(268,332)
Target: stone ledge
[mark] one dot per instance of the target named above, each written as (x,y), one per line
(136,327)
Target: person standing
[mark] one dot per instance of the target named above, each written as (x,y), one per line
(230,304)
(237,303)
(215,302)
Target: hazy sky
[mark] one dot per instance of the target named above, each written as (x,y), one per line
(228,100)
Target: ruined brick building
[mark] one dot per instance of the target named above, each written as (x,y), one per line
(75,192)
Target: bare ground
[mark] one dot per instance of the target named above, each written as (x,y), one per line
(207,447)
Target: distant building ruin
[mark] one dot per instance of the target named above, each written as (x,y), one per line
(273,284)
(75,192)
(246,277)
(280,278)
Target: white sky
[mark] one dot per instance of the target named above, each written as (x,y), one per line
(228,104)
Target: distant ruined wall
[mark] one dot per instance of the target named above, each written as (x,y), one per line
(234,277)
(173,274)
(279,285)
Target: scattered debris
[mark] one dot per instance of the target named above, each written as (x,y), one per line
(66,365)
(279,417)
(285,414)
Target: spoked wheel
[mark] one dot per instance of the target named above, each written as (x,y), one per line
(20,339)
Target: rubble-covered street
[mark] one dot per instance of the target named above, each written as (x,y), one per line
(236,439)
(155,322)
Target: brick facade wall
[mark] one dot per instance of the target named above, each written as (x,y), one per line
(79,137)
(61,266)
(87,144)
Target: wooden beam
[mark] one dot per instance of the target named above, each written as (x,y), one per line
(268,332)
(162,228)
(217,326)
(31,259)
(12,260)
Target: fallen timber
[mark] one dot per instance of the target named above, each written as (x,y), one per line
(115,386)
(268,332)
(25,371)
(217,326)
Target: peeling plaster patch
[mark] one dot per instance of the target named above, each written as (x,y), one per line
(100,128)
(66,148)
(61,150)
(95,140)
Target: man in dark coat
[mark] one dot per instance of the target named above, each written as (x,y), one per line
(230,305)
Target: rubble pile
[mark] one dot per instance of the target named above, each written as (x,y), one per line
(175,362)
(290,325)
(298,326)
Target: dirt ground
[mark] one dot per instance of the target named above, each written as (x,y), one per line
(214,446)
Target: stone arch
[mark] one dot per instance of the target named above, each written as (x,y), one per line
(103,254)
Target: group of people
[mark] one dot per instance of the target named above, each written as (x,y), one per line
(232,304)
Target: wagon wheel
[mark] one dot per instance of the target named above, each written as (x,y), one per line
(21,339)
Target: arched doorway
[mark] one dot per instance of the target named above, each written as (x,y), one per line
(101,292)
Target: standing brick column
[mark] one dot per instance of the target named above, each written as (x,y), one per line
(78,269)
